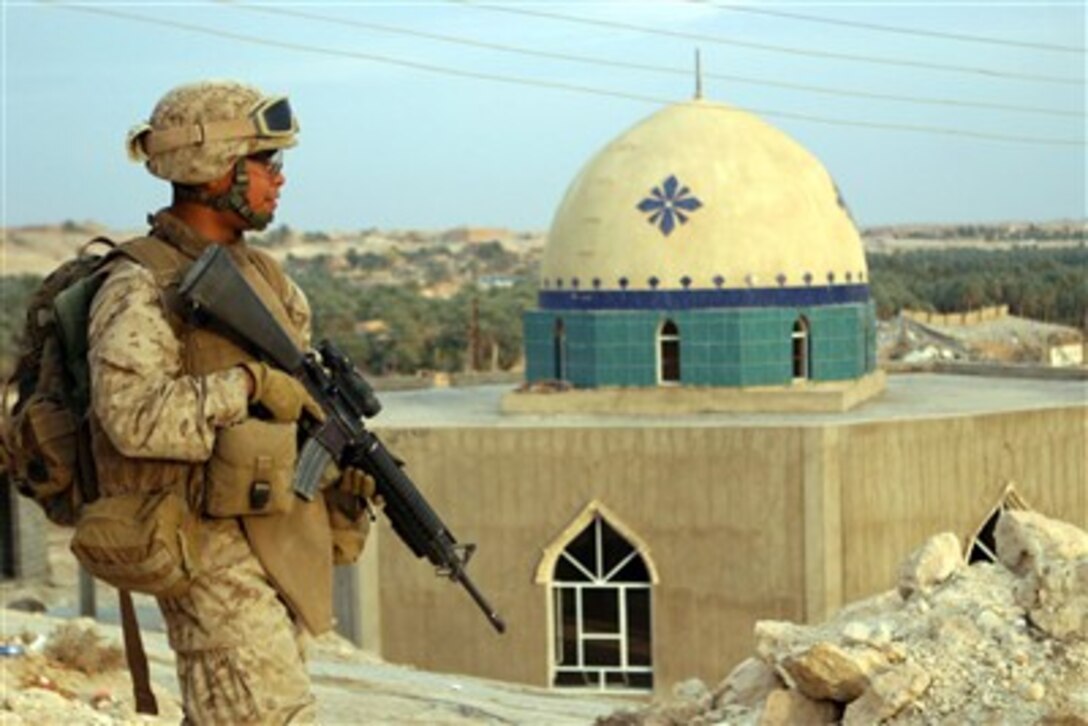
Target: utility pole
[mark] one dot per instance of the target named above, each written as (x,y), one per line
(474,335)
(698,76)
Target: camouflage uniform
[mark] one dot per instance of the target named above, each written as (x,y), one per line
(239,654)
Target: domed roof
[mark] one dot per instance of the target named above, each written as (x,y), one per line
(701,196)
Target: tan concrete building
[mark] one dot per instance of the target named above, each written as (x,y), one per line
(727,454)
(630,551)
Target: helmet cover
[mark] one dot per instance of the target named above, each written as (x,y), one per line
(202,103)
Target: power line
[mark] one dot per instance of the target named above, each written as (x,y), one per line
(895,29)
(553,85)
(722,40)
(609,63)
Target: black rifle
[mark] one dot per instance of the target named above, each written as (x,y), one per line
(215,288)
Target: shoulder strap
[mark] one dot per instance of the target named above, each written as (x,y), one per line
(165,261)
(136,657)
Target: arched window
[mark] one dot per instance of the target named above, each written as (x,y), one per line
(801,349)
(983,546)
(559,350)
(599,586)
(668,357)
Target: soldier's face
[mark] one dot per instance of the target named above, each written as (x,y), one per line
(265,180)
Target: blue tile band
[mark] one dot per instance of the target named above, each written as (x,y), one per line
(761,297)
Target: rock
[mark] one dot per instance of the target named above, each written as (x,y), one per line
(748,684)
(740,715)
(1063,718)
(888,694)
(1051,559)
(692,689)
(827,672)
(930,565)
(1024,538)
(674,713)
(787,708)
(41,705)
(857,632)
(1035,692)
(995,642)
(958,631)
(623,717)
(989,621)
(776,638)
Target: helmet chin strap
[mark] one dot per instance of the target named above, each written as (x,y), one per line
(233,200)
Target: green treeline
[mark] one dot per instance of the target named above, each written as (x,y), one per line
(398,329)
(1043,284)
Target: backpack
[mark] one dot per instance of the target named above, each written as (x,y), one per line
(46,443)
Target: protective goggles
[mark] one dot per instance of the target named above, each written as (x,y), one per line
(271,118)
(271,159)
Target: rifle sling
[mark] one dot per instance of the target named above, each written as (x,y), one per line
(136,657)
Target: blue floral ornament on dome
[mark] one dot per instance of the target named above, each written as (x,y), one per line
(667,205)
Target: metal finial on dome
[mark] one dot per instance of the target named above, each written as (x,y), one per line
(698,76)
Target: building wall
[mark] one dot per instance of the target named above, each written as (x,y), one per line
(904,481)
(741,523)
(718,347)
(719,508)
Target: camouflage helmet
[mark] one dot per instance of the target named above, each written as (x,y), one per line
(199,130)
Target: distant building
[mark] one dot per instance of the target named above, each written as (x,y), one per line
(476,235)
(703,247)
(494,282)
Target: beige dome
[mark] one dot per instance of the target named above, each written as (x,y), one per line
(763,208)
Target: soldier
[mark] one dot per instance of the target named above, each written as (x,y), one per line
(180,408)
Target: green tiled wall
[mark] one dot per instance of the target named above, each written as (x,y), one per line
(736,347)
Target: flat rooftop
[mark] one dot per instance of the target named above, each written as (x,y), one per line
(907,396)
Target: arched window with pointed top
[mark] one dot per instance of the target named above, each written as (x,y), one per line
(599,580)
(668,353)
(559,350)
(802,348)
(982,547)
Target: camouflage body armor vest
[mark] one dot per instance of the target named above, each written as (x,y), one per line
(295,547)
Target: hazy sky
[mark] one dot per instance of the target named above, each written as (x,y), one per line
(393,146)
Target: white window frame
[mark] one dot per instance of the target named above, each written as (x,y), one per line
(597,579)
(1010,500)
(806,348)
(663,338)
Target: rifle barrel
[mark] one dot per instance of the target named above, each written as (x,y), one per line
(492,615)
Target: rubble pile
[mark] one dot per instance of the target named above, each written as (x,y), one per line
(1003,642)
(1010,339)
(73,675)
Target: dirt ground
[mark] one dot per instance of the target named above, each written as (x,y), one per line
(66,669)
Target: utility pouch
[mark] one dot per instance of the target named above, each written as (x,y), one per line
(46,432)
(144,542)
(41,444)
(251,470)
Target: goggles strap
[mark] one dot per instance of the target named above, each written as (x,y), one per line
(233,200)
(236,198)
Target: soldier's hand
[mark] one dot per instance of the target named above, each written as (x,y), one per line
(281,394)
(354,493)
(360,484)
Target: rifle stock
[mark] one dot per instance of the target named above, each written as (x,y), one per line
(214,287)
